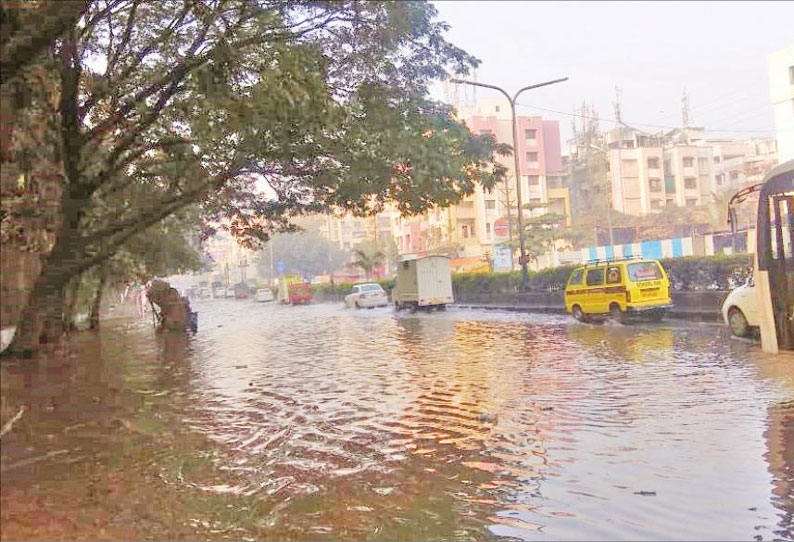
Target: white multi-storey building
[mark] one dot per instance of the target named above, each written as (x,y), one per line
(781,89)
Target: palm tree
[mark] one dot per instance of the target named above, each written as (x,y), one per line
(368,256)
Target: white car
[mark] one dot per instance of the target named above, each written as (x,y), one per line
(263,295)
(367,295)
(229,292)
(740,309)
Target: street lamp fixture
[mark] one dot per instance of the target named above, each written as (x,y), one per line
(512,100)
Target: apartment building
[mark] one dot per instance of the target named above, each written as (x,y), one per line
(781,89)
(647,172)
(739,161)
(349,231)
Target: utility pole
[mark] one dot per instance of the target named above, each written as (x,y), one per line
(242,265)
(270,245)
(519,211)
(608,187)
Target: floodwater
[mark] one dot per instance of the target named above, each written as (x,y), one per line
(319,422)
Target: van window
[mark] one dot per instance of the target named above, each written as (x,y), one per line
(576,277)
(644,271)
(595,277)
(613,275)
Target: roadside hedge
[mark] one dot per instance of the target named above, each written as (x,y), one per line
(686,274)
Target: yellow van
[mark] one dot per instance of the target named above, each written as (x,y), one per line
(618,288)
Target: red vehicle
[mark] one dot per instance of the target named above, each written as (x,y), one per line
(300,293)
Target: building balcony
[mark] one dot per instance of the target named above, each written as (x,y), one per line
(655,173)
(464,213)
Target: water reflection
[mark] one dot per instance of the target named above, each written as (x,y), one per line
(323,423)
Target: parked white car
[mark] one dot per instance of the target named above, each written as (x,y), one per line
(740,309)
(229,292)
(263,295)
(366,295)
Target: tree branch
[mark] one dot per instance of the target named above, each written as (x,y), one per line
(25,47)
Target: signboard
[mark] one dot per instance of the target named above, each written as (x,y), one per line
(502,258)
(501,228)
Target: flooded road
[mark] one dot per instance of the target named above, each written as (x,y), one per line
(323,423)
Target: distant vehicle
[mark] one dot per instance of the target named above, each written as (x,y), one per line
(292,290)
(263,295)
(229,292)
(241,291)
(367,295)
(205,293)
(423,283)
(740,309)
(618,288)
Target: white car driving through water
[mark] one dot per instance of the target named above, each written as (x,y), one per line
(367,295)
(740,309)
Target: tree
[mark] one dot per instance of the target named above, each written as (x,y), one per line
(304,253)
(542,231)
(444,241)
(256,111)
(367,256)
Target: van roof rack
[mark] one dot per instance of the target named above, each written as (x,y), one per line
(612,260)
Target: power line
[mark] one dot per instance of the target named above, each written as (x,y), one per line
(638,123)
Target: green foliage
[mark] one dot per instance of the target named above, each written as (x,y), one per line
(712,272)
(691,273)
(542,231)
(368,255)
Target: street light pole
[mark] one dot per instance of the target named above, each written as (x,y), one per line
(512,100)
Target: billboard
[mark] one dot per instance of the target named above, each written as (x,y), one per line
(502,257)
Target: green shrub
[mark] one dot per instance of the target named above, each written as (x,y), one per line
(691,273)
(708,272)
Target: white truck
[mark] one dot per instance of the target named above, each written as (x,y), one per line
(423,283)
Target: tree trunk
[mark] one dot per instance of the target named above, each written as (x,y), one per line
(37,323)
(97,304)
(70,301)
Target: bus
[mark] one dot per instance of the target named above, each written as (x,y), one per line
(773,265)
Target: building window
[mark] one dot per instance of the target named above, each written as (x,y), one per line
(734,175)
(690,183)
(668,167)
(653,163)
(497,109)
(490,204)
(689,161)
(465,231)
(530,135)
(717,159)
(670,202)
(691,202)
(703,164)
(534,180)
(720,179)
(488,229)
(532,157)
(655,185)
(657,204)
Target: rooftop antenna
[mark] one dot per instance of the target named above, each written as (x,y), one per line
(617,104)
(685,109)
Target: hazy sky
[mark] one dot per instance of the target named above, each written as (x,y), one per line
(716,50)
